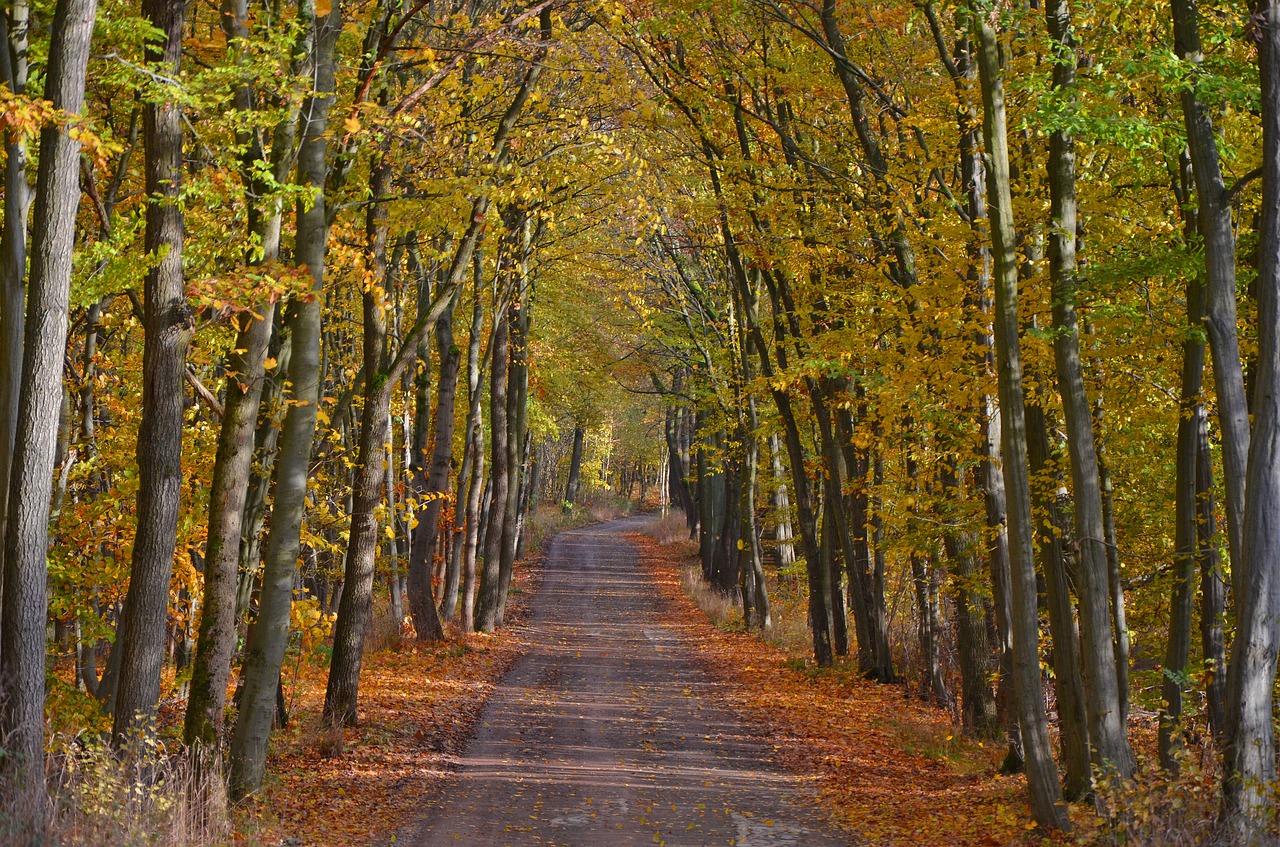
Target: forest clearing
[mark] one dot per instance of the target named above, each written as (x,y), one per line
(936,341)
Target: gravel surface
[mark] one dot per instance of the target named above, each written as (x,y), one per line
(608,733)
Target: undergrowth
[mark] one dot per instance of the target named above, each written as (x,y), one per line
(144,795)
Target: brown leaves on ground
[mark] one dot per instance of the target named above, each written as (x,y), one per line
(418,705)
(893,771)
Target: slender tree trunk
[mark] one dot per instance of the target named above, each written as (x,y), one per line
(998,561)
(575,467)
(25,602)
(1217,229)
(1107,731)
(271,411)
(475,488)
(1212,592)
(265,652)
(490,600)
(356,607)
(167,330)
(1248,802)
(394,527)
(517,398)
(751,530)
(528,495)
(233,462)
(1053,536)
(833,566)
(977,701)
(1186,549)
(782,506)
(433,487)
(1042,773)
(464,516)
(14,25)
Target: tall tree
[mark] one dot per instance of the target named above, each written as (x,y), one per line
(1106,724)
(26,542)
(1247,806)
(1042,773)
(232,469)
(167,329)
(14,27)
(265,652)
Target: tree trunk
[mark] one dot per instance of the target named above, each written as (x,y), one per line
(25,601)
(433,487)
(1220,272)
(265,652)
(475,489)
(998,562)
(750,529)
(977,702)
(167,329)
(232,470)
(1107,731)
(1212,592)
(1247,803)
(356,608)
(782,507)
(1053,536)
(1042,775)
(271,412)
(575,467)
(489,601)
(1186,548)
(14,26)
(468,476)
(517,399)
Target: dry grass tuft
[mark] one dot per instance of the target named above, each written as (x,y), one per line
(331,743)
(721,609)
(145,795)
(671,528)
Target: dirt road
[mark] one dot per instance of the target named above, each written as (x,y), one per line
(607,733)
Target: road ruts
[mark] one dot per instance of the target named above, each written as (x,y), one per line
(606,733)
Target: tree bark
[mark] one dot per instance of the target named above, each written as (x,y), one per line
(1186,548)
(265,652)
(433,487)
(356,607)
(1053,535)
(14,26)
(1247,803)
(463,573)
(1042,773)
(1218,232)
(167,328)
(977,701)
(1107,732)
(232,470)
(489,601)
(25,602)
(517,406)
(575,467)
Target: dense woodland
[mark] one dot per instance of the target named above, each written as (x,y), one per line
(962,317)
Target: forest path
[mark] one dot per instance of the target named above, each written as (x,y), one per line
(608,733)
